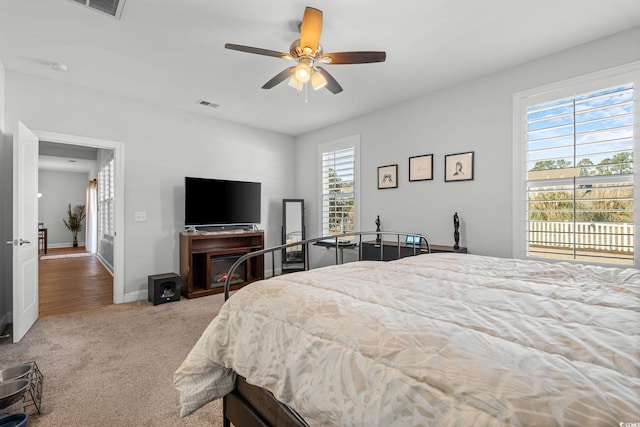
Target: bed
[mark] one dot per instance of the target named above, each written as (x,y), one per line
(434,339)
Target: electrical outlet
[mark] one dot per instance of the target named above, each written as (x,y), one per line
(140,216)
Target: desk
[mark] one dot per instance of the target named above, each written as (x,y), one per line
(371,251)
(43,235)
(443,248)
(340,246)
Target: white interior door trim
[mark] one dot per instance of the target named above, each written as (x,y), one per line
(118,158)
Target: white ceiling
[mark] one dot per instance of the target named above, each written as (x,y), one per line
(172,52)
(65,157)
(55,163)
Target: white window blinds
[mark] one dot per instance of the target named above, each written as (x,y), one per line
(580,184)
(106,196)
(338,165)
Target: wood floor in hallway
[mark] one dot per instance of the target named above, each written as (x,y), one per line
(72,284)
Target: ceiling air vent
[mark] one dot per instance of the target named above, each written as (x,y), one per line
(207,103)
(110,7)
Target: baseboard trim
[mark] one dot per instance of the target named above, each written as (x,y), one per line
(136,296)
(62,245)
(104,262)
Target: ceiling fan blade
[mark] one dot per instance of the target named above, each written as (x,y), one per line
(332,85)
(257,51)
(279,78)
(311,28)
(354,57)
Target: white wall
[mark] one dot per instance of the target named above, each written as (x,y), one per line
(59,189)
(473,116)
(162,146)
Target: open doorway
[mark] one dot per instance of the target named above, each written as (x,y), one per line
(25,220)
(109,168)
(75,219)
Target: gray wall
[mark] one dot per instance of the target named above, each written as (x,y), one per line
(473,116)
(161,147)
(5,217)
(59,189)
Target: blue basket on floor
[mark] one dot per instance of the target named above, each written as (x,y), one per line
(14,420)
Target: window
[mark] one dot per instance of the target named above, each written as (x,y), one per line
(106,192)
(578,171)
(339,182)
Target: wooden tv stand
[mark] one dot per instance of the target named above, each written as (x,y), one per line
(200,250)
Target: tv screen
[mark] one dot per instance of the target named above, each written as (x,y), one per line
(217,201)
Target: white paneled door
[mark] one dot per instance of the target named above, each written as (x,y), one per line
(25,230)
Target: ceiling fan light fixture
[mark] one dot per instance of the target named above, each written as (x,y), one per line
(303,72)
(295,83)
(308,54)
(317,80)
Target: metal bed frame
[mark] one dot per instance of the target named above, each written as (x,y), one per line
(339,242)
(249,405)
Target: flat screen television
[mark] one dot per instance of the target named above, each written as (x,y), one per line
(221,202)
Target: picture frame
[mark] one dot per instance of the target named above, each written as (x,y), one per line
(387,176)
(421,168)
(459,166)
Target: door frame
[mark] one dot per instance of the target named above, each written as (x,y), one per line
(118,159)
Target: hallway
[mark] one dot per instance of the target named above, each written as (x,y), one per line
(72,283)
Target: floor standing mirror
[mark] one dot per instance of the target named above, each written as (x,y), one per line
(293,258)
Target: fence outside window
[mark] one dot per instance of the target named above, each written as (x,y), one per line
(612,242)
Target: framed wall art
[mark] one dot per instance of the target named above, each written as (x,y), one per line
(387,176)
(458,167)
(421,168)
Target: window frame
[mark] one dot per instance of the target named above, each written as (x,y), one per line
(567,88)
(352,141)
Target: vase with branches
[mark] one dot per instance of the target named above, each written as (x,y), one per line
(74,220)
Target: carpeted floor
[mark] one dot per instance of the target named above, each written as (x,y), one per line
(114,366)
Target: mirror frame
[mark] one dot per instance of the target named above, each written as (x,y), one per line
(299,262)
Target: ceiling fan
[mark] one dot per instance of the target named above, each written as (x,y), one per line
(308,54)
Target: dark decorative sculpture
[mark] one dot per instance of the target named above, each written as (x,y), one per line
(456,233)
(378,240)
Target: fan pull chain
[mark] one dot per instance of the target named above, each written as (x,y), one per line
(305,90)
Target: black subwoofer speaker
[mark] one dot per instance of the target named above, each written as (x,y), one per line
(164,288)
